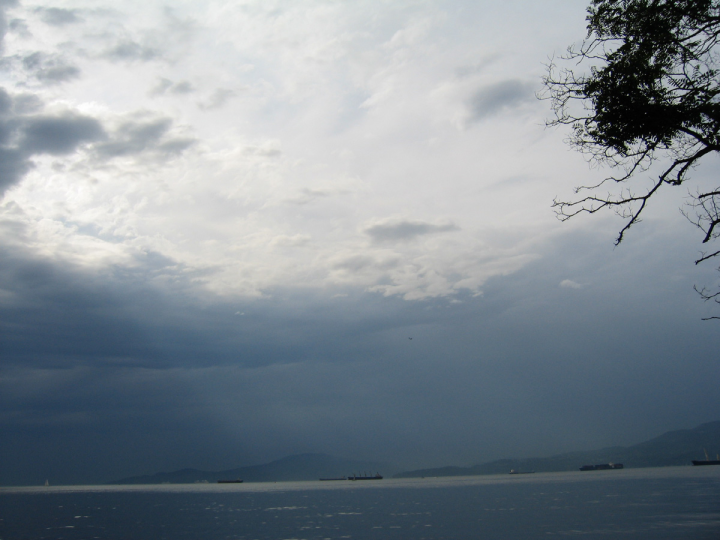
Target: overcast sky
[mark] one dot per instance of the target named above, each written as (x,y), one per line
(231,231)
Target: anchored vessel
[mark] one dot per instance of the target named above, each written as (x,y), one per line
(366,477)
(238,481)
(707,460)
(601,467)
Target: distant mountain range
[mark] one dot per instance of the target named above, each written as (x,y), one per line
(292,468)
(671,448)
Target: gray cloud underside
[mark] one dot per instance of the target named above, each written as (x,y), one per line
(91,357)
(23,136)
(19,26)
(218,98)
(128,51)
(492,99)
(167,86)
(143,135)
(50,69)
(58,16)
(4,5)
(54,317)
(404,231)
(158,43)
(359,263)
(58,135)
(57,74)
(96,364)
(62,316)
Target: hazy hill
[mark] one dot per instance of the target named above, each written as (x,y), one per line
(292,468)
(671,448)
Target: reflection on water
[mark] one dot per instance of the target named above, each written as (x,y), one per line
(672,503)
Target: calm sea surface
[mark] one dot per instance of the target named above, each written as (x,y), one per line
(673,502)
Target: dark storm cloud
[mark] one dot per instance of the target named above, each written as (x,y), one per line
(59,316)
(97,365)
(64,317)
(87,411)
(493,99)
(58,16)
(83,318)
(403,231)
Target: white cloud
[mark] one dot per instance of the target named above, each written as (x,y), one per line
(570,284)
(275,144)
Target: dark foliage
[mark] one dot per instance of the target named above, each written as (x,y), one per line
(649,93)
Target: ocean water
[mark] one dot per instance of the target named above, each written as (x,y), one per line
(664,503)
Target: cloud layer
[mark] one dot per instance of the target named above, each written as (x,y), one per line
(221,223)
(168,151)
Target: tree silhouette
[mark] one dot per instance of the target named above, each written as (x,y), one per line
(643,89)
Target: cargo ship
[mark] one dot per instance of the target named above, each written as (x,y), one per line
(707,460)
(601,467)
(238,481)
(366,477)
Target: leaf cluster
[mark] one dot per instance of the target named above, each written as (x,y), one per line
(660,80)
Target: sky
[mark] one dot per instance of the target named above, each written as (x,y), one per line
(236,231)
